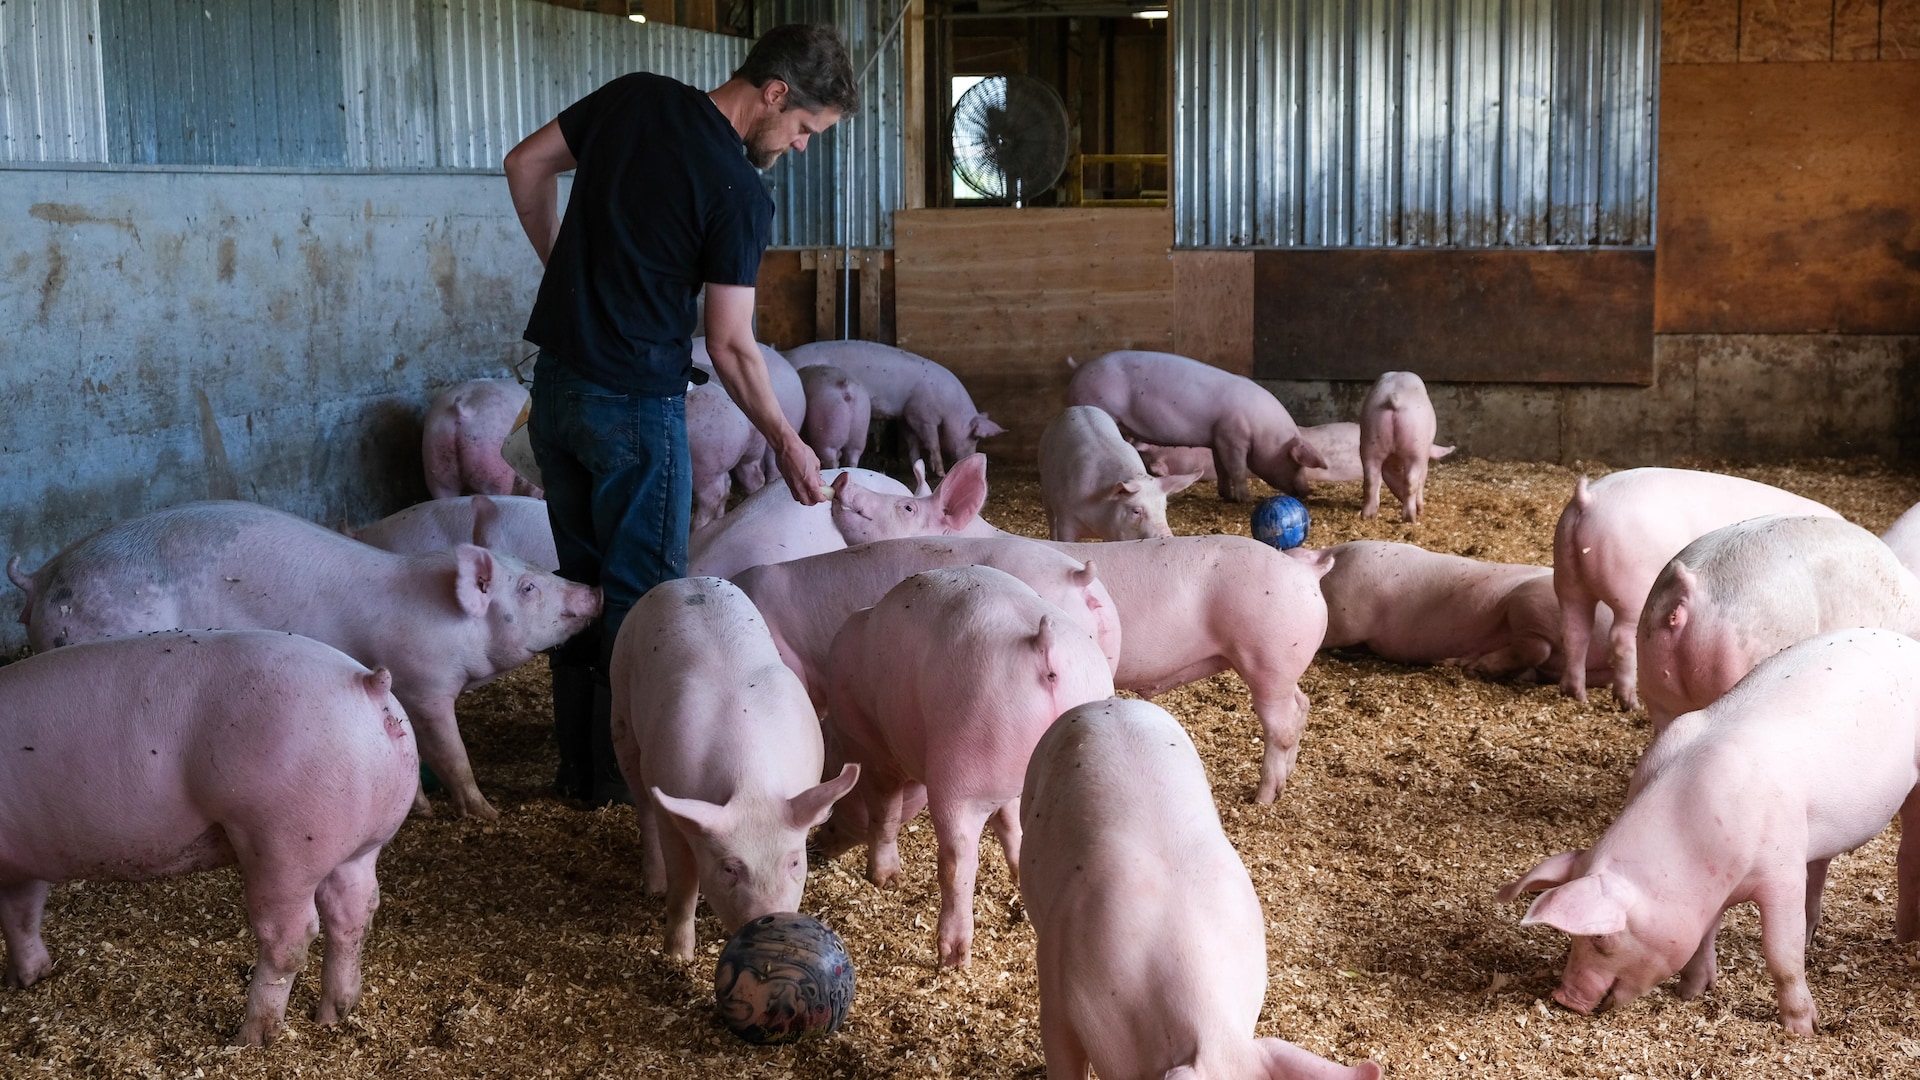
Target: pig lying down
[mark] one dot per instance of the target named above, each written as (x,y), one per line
(1151,943)
(1742,593)
(164,754)
(1615,535)
(708,719)
(443,623)
(1748,799)
(509,524)
(949,681)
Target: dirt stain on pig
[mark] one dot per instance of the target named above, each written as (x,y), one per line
(55,280)
(227,259)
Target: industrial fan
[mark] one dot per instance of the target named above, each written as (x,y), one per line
(1010,137)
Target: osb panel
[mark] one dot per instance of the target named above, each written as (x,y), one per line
(1900,29)
(1455,316)
(1856,29)
(1787,199)
(1700,31)
(1213,308)
(1786,30)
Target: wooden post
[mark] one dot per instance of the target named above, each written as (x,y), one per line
(700,15)
(913,76)
(873,263)
(825,263)
(657,11)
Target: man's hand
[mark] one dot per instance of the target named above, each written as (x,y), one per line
(742,370)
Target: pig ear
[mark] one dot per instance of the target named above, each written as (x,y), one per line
(1319,560)
(1435,453)
(1171,484)
(1125,488)
(811,807)
(486,520)
(1586,906)
(1306,455)
(1555,871)
(840,484)
(964,491)
(984,428)
(473,579)
(691,816)
(920,488)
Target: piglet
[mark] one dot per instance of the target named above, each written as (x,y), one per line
(512,524)
(1748,799)
(443,622)
(724,448)
(1174,401)
(769,526)
(708,719)
(1338,444)
(164,754)
(949,681)
(1396,442)
(1616,534)
(942,425)
(1743,592)
(839,410)
(460,443)
(1413,606)
(1151,942)
(1093,484)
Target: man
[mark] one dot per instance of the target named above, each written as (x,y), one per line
(665,202)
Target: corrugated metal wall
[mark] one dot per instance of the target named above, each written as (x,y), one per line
(52,107)
(1464,123)
(846,185)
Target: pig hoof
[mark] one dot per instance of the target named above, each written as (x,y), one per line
(957,956)
(258,1032)
(25,977)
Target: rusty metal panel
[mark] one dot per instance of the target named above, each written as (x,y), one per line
(222,82)
(52,107)
(1434,123)
(1457,316)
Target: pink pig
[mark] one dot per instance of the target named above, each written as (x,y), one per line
(1094,485)
(1192,606)
(949,681)
(443,622)
(1396,442)
(460,443)
(725,448)
(1413,606)
(1615,535)
(165,754)
(941,422)
(1748,799)
(512,524)
(1151,944)
(1338,444)
(708,719)
(1743,592)
(1174,401)
(769,526)
(839,410)
(1903,536)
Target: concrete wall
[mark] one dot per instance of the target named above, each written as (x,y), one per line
(180,335)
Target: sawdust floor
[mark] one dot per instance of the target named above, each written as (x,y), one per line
(525,948)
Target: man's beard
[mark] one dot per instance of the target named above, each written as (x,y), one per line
(763,157)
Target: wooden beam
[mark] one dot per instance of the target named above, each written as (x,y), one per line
(913,77)
(826,292)
(873,263)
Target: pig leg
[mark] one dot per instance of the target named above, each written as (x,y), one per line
(1783,939)
(1006,826)
(1283,718)
(1285,1061)
(440,747)
(1625,653)
(1230,463)
(653,859)
(683,888)
(1373,459)
(1906,908)
(346,900)
(21,906)
(883,831)
(281,910)
(1702,970)
(925,431)
(1065,1055)
(956,830)
(1816,884)
(1576,632)
(1413,489)
(1523,654)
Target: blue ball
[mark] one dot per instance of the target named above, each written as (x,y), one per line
(1280,520)
(783,977)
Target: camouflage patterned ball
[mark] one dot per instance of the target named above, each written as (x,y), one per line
(782,978)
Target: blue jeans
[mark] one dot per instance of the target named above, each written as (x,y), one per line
(619,482)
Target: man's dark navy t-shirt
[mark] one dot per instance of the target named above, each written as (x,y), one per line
(663,200)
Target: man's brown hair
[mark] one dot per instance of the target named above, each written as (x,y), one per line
(812,62)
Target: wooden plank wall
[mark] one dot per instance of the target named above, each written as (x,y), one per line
(1004,297)
(1763,31)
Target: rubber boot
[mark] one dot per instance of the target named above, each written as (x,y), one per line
(609,784)
(573,701)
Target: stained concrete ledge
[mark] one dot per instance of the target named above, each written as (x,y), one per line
(1737,396)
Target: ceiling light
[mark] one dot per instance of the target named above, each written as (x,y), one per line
(637,18)
(1155,13)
